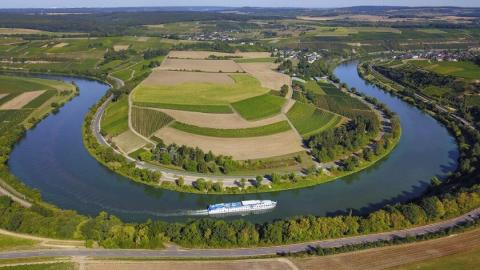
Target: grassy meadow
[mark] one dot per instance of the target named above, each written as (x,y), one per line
(309,120)
(115,118)
(259,107)
(13,243)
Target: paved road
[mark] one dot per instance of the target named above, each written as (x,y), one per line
(240,252)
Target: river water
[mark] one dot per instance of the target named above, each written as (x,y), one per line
(52,158)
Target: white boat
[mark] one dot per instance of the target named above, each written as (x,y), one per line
(243,206)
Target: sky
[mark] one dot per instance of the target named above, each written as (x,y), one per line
(236,3)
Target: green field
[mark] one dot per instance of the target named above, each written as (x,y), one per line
(147,121)
(234,133)
(115,118)
(42,266)
(10,243)
(259,107)
(190,108)
(472,100)
(201,93)
(314,87)
(462,69)
(11,118)
(461,261)
(309,120)
(435,91)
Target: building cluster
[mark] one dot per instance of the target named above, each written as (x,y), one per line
(212,36)
(297,54)
(443,55)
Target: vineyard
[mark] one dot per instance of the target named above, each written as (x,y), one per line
(147,121)
(10,118)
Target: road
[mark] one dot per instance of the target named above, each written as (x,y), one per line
(241,252)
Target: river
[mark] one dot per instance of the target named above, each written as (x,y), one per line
(52,158)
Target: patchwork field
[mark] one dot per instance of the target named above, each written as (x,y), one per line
(206,54)
(167,77)
(118,48)
(239,148)
(309,120)
(21,100)
(264,72)
(200,65)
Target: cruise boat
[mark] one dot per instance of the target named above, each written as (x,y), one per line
(243,206)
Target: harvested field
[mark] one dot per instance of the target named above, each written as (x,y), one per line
(259,264)
(21,100)
(200,65)
(381,258)
(213,120)
(143,39)
(60,45)
(3,95)
(178,77)
(266,75)
(239,148)
(206,54)
(118,48)
(129,141)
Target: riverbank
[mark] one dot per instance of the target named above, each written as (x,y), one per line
(169,178)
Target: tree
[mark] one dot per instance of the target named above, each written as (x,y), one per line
(276,178)
(258,180)
(180,181)
(200,184)
(218,186)
(243,181)
(284,90)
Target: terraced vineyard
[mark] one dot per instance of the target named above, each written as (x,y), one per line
(147,121)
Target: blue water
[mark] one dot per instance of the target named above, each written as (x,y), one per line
(52,158)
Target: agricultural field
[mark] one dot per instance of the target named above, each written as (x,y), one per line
(234,133)
(309,120)
(128,141)
(199,93)
(462,69)
(259,107)
(264,72)
(115,118)
(314,87)
(201,65)
(238,148)
(22,98)
(147,121)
